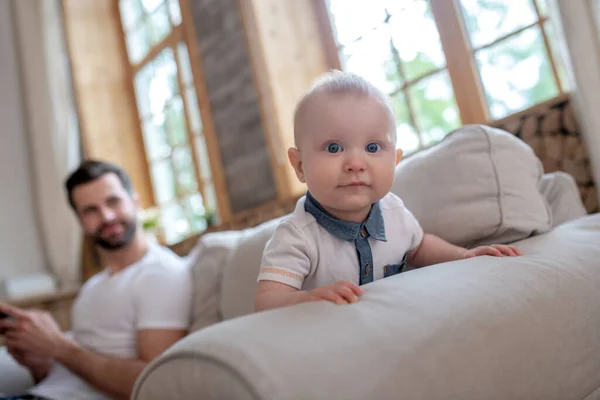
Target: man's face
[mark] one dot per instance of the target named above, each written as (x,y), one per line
(107,212)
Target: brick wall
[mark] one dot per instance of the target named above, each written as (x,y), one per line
(553,133)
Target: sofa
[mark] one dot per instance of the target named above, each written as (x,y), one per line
(482,328)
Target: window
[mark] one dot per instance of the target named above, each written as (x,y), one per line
(511,40)
(373,41)
(396,44)
(172,128)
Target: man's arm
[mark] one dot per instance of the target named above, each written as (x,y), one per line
(38,333)
(116,376)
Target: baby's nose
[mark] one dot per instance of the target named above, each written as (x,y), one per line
(354,163)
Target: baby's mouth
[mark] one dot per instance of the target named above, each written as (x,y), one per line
(355,184)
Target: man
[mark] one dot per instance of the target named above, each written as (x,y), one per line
(123,317)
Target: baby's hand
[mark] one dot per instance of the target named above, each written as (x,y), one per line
(496,250)
(341,292)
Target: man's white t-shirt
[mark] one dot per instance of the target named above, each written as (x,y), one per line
(311,248)
(154,293)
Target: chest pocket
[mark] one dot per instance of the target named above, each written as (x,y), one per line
(394,269)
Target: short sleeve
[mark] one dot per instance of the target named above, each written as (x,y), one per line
(164,297)
(286,257)
(414,228)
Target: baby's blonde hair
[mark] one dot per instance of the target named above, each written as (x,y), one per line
(341,83)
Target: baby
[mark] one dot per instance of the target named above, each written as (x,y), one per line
(349,229)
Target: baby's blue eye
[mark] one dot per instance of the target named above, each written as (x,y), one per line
(373,148)
(334,148)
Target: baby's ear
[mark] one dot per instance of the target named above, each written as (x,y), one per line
(296,161)
(398,155)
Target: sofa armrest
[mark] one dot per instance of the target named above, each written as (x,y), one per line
(14,379)
(562,194)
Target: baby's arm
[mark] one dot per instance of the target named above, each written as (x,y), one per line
(434,250)
(285,264)
(275,294)
(428,249)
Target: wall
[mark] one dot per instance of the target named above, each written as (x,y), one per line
(288,47)
(108,116)
(20,247)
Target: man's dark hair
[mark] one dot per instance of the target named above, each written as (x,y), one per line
(91,170)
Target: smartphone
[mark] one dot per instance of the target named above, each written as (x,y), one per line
(2,316)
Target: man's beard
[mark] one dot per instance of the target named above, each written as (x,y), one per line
(129,229)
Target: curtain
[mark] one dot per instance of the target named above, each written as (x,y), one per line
(53,132)
(576,25)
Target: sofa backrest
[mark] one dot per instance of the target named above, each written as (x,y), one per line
(480,185)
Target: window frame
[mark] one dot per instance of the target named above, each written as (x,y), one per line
(182,33)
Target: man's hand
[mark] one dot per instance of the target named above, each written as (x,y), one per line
(36,332)
(496,250)
(341,292)
(32,331)
(39,366)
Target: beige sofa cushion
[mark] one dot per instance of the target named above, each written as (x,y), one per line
(482,328)
(208,259)
(480,185)
(239,283)
(562,194)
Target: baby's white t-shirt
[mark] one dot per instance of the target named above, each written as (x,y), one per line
(311,248)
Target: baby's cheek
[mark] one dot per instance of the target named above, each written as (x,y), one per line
(384,171)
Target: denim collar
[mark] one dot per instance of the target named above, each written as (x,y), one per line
(347,230)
